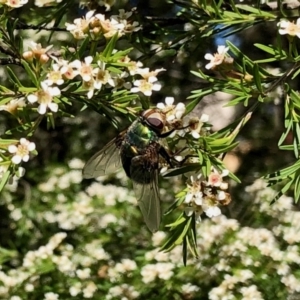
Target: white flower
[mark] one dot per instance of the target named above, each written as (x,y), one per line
(172,112)
(44,97)
(221,195)
(65,67)
(193,125)
(122,19)
(216,179)
(15,298)
(45,3)
(110,27)
(149,75)
(145,87)
(85,69)
(29,287)
(102,76)
(51,296)
(89,290)
(211,211)
(83,274)
(13,105)
(38,51)
(204,118)
(158,237)
(194,194)
(126,265)
(217,58)
(148,84)
(189,288)
(118,81)
(21,151)
(90,87)
(75,289)
(55,76)
(15,3)
(164,270)
(148,273)
(80,27)
(292,29)
(134,66)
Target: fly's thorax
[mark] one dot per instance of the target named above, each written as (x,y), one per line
(140,135)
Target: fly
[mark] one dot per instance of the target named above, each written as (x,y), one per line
(137,149)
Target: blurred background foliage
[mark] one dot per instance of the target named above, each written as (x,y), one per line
(175,36)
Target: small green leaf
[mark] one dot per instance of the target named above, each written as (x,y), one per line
(297,188)
(83,48)
(4,179)
(285,134)
(114,70)
(186,228)
(257,77)
(30,73)
(181,170)
(179,220)
(110,46)
(14,78)
(184,251)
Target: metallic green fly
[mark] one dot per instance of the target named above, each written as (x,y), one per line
(138,150)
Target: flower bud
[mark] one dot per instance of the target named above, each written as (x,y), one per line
(44,58)
(28,56)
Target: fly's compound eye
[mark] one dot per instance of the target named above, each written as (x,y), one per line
(155,123)
(154,119)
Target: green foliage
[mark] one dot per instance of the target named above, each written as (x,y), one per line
(116,64)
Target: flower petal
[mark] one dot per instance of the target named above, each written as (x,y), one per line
(12,149)
(32,98)
(42,109)
(53,106)
(16,159)
(169,100)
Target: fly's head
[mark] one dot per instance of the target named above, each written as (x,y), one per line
(154,119)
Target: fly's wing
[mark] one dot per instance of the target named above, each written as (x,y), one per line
(147,194)
(105,161)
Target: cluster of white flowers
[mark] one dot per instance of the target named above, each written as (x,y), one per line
(51,296)
(161,270)
(290,28)
(206,196)
(31,262)
(177,121)
(229,283)
(68,215)
(125,266)
(178,124)
(97,25)
(123,291)
(111,194)
(47,95)
(266,242)
(233,245)
(93,78)
(62,179)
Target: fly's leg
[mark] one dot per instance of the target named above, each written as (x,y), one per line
(169,158)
